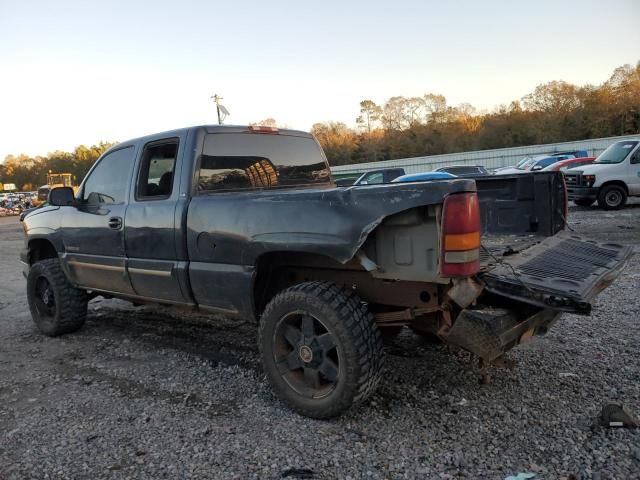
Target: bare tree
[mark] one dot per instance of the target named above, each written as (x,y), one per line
(436,107)
(369,114)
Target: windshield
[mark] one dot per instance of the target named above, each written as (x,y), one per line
(545,162)
(528,164)
(522,162)
(617,152)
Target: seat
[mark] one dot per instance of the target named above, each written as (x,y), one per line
(164,185)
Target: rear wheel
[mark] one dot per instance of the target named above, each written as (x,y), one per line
(56,306)
(320,348)
(584,202)
(612,197)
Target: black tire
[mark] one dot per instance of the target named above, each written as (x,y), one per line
(612,197)
(338,346)
(391,332)
(584,202)
(56,306)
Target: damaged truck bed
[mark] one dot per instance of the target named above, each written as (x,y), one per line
(531,270)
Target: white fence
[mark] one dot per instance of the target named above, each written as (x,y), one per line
(500,157)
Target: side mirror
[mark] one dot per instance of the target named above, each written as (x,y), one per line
(636,157)
(536,167)
(62,197)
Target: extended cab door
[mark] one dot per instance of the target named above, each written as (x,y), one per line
(93,232)
(152,240)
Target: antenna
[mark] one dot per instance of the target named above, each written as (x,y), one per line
(221,109)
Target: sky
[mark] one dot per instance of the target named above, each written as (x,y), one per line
(79,72)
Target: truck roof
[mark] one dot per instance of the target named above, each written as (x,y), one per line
(213,129)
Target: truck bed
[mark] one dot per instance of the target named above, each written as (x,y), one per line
(495,247)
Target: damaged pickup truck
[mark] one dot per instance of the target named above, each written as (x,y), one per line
(246,222)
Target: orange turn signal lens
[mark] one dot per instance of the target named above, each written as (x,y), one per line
(462,241)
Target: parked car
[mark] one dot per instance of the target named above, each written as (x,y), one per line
(422,177)
(568,164)
(346,182)
(373,177)
(539,162)
(246,222)
(533,164)
(574,153)
(465,171)
(612,177)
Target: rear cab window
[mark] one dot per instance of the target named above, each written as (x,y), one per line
(155,177)
(247,161)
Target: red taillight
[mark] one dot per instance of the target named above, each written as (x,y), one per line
(460,235)
(262,129)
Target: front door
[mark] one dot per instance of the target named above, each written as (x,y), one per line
(93,232)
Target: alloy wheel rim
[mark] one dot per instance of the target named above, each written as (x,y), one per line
(44,298)
(306,355)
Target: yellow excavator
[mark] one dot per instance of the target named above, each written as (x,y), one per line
(54,180)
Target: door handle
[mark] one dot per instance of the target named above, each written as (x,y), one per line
(115,223)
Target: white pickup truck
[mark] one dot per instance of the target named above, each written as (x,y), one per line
(610,179)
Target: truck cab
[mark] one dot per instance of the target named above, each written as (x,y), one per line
(610,179)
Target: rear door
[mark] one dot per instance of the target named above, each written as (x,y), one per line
(151,235)
(93,232)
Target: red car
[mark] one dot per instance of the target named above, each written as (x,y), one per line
(569,163)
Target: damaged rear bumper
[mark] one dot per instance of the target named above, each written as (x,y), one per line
(491,332)
(527,291)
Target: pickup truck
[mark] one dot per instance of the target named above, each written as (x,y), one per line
(246,222)
(610,179)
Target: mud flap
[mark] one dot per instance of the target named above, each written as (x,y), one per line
(564,272)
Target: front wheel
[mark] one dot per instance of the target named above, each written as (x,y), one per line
(56,306)
(612,197)
(320,348)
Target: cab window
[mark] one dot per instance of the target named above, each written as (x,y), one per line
(245,161)
(373,179)
(155,179)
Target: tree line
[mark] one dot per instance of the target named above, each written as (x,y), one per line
(28,173)
(554,112)
(416,126)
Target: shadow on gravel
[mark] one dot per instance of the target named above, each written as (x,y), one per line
(215,339)
(66,366)
(218,340)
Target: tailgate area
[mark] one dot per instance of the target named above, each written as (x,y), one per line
(563,272)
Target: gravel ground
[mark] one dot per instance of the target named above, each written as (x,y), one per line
(150,393)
